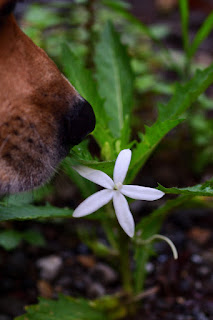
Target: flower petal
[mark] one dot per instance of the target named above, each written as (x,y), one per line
(93,203)
(141,193)
(122,165)
(96,176)
(123,213)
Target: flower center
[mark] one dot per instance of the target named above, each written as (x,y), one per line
(118,186)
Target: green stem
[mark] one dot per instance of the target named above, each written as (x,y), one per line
(125,262)
(108,225)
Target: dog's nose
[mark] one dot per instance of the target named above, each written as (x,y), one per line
(81,121)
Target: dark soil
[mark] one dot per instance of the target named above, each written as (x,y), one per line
(177,290)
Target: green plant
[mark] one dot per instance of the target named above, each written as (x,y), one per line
(109,87)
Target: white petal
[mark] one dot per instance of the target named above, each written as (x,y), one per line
(141,193)
(96,176)
(122,165)
(123,213)
(93,203)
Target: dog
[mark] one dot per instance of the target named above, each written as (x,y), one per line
(41,113)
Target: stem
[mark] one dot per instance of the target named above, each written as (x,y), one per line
(108,226)
(125,262)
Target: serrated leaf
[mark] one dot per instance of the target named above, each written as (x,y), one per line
(82,80)
(169,114)
(149,141)
(186,94)
(29,212)
(65,308)
(205,189)
(115,78)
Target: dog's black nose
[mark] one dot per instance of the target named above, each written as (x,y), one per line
(81,121)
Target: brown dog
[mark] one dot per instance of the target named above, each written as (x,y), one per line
(41,114)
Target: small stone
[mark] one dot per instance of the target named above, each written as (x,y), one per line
(86,261)
(150,267)
(204,270)
(166,5)
(199,235)
(95,290)
(196,258)
(45,289)
(50,267)
(104,273)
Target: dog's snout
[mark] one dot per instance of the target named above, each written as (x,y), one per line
(81,122)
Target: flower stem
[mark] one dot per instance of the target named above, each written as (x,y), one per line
(125,262)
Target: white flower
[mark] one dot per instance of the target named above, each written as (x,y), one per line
(115,190)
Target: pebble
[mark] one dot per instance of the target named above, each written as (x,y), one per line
(45,289)
(104,273)
(196,258)
(204,271)
(95,290)
(150,267)
(49,266)
(200,235)
(86,261)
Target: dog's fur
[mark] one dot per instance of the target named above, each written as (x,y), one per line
(41,114)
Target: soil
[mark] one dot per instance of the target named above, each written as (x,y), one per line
(177,290)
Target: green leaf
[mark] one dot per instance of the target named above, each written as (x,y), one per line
(150,32)
(41,17)
(168,118)
(105,166)
(115,78)
(149,142)
(68,308)
(33,237)
(10,239)
(65,308)
(205,189)
(186,94)
(118,4)
(201,35)
(28,212)
(129,17)
(184,11)
(82,80)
